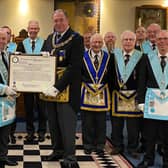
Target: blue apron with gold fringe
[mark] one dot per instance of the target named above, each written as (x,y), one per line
(95,96)
(123,101)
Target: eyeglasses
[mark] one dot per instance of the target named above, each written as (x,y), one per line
(140,31)
(129,39)
(162,38)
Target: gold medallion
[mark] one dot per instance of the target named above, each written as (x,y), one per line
(124,87)
(61,58)
(95,86)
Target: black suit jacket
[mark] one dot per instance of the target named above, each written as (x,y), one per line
(20,47)
(72,61)
(107,77)
(132,81)
(146,79)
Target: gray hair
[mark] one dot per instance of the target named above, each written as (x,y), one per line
(128,32)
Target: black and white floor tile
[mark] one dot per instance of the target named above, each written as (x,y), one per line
(31,155)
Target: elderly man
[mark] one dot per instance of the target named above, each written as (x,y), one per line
(124,95)
(95,100)
(11,46)
(7,103)
(86,38)
(33,45)
(109,40)
(147,47)
(68,46)
(150,44)
(153,76)
(140,37)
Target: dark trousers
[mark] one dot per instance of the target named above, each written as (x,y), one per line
(13,128)
(132,125)
(165,143)
(151,136)
(93,129)
(142,133)
(4,133)
(62,124)
(30,101)
(153,128)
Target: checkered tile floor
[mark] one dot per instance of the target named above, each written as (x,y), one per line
(31,155)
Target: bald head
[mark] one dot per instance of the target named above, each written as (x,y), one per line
(152,30)
(109,36)
(110,39)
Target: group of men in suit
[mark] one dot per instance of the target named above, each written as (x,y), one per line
(67,45)
(133,73)
(112,79)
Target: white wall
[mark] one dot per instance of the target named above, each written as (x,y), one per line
(40,10)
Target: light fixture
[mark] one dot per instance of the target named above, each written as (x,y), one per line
(23,7)
(165,3)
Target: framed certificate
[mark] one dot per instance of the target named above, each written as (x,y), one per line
(32,73)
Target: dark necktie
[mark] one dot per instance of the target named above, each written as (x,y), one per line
(96,62)
(138,47)
(33,45)
(163,62)
(58,36)
(4,60)
(153,46)
(127,56)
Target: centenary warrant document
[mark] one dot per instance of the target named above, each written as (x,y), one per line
(32,73)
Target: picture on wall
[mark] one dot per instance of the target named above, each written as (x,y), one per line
(83,14)
(148,14)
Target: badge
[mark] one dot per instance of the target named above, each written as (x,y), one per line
(15,59)
(95,86)
(163,83)
(151,103)
(61,58)
(124,87)
(162,95)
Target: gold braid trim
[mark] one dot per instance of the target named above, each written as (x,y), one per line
(55,46)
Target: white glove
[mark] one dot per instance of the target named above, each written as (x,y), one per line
(141,107)
(17,53)
(10,91)
(51,91)
(45,54)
